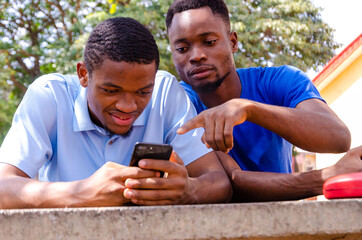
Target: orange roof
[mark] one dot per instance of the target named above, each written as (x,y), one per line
(337,60)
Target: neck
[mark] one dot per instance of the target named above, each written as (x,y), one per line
(229,89)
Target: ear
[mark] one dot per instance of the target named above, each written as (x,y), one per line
(234,41)
(82,74)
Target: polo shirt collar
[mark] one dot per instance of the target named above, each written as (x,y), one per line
(82,120)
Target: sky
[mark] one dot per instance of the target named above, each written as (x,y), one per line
(345,17)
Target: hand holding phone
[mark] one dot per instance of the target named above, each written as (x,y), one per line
(150,151)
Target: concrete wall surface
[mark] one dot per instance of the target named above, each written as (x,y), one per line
(336,219)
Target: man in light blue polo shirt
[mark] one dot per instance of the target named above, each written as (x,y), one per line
(77,132)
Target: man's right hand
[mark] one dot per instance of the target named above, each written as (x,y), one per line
(105,187)
(218,123)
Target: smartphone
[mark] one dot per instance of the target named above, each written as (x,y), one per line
(150,151)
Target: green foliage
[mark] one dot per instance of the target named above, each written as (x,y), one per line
(152,14)
(8,99)
(278,32)
(271,32)
(39,37)
(7,109)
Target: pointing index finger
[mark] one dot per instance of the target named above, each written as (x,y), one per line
(193,123)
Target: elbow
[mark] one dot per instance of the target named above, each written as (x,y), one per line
(226,188)
(344,141)
(229,192)
(344,147)
(338,141)
(240,194)
(217,189)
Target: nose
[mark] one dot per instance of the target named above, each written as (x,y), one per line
(126,103)
(197,55)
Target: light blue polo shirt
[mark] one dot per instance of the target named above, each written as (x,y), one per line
(52,133)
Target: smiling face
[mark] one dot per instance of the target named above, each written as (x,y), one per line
(117,93)
(202,48)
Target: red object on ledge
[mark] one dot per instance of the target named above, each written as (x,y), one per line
(343,186)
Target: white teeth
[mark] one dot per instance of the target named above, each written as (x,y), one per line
(122,118)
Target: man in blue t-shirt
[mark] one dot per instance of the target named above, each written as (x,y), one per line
(254,114)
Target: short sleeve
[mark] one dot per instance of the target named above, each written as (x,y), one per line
(290,86)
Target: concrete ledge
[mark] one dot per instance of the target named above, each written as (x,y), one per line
(337,219)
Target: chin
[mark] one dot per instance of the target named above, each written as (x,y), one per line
(123,133)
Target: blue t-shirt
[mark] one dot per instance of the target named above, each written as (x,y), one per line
(256,148)
(52,133)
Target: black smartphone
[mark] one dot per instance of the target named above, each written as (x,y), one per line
(150,151)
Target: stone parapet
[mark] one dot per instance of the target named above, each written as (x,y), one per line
(337,219)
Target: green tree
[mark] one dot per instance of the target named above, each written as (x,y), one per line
(278,32)
(271,32)
(39,37)
(8,100)
(152,14)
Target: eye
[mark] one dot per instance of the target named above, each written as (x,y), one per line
(110,91)
(143,93)
(210,43)
(181,49)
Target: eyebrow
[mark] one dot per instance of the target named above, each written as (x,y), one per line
(206,34)
(182,40)
(109,84)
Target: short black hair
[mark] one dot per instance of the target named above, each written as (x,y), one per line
(120,39)
(218,8)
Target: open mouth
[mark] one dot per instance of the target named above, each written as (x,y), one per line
(122,120)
